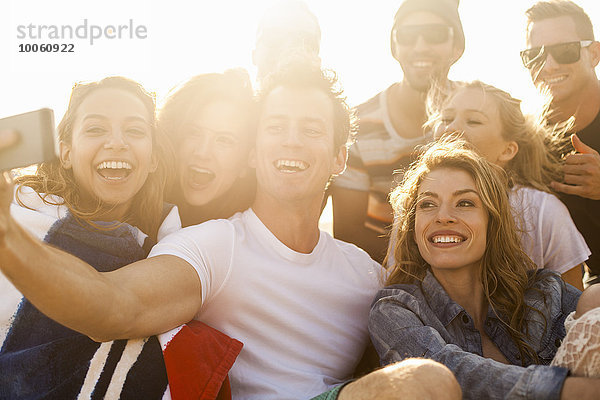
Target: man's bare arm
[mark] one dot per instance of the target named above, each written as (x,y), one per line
(147,297)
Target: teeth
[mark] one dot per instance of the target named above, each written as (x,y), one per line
(295,164)
(114,165)
(555,79)
(447,239)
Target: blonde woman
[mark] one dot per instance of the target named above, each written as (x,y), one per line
(464,293)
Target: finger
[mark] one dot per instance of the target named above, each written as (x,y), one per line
(582,159)
(575,179)
(8,138)
(579,169)
(581,147)
(568,189)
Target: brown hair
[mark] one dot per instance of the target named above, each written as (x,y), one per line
(504,265)
(52,178)
(301,72)
(183,103)
(559,8)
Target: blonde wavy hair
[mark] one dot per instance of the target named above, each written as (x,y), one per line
(52,178)
(504,265)
(537,162)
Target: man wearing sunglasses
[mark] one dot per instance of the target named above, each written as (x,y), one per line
(426,39)
(561,56)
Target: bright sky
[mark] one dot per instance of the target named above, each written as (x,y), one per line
(185,38)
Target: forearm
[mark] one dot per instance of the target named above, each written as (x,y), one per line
(144,298)
(580,388)
(62,286)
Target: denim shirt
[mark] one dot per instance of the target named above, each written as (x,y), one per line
(421,320)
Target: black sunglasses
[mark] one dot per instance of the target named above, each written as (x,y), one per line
(432,33)
(563,53)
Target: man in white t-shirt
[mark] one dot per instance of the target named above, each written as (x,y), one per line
(297,298)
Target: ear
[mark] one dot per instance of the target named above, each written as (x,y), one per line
(339,164)
(510,151)
(65,155)
(594,50)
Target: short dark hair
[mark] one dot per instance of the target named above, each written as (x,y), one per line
(559,8)
(302,73)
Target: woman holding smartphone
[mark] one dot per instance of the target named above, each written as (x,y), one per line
(102,201)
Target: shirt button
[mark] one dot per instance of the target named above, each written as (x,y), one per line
(518,357)
(465,319)
(557,342)
(488,324)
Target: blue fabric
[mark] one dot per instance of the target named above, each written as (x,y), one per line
(41,359)
(421,320)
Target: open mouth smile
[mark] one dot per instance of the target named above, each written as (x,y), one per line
(446,239)
(290,166)
(199,176)
(114,170)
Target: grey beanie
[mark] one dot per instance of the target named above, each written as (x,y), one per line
(445,9)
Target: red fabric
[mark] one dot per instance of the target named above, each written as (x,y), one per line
(198,359)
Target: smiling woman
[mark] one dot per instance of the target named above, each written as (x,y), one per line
(101,201)
(210,122)
(463,292)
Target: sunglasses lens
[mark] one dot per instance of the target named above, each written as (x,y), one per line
(432,34)
(532,57)
(436,34)
(406,35)
(565,53)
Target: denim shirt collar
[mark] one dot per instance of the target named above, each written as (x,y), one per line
(441,304)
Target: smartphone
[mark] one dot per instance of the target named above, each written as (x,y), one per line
(37,139)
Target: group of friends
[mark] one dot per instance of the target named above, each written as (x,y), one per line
(177,253)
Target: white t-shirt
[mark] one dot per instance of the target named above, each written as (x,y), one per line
(302,317)
(38,217)
(550,237)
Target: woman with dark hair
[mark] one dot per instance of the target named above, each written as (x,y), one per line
(209,120)
(462,291)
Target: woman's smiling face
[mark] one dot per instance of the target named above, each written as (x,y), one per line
(110,152)
(450,220)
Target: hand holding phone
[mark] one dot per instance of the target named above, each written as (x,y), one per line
(27,139)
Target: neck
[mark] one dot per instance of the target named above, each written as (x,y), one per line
(584,107)
(295,224)
(464,287)
(407,109)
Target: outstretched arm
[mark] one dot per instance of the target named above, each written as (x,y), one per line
(147,297)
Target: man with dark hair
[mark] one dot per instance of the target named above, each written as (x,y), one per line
(297,298)
(561,56)
(426,39)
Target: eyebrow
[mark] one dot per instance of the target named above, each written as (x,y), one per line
(100,116)
(456,193)
(467,110)
(303,119)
